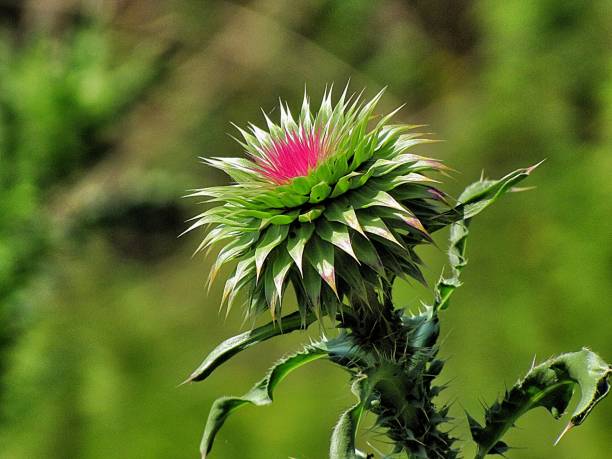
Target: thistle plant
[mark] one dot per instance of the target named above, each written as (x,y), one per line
(334,203)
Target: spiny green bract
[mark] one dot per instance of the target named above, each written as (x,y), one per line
(364,199)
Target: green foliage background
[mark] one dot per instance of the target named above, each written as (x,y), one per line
(103,112)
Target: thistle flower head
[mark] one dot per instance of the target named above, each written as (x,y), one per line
(332,201)
(296,155)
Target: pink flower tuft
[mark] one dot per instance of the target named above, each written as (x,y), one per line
(294,156)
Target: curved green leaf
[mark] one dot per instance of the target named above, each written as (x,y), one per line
(457,261)
(549,385)
(232,346)
(260,395)
(480,195)
(343,437)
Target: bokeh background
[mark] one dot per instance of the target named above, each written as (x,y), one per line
(104,110)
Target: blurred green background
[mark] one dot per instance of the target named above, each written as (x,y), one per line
(104,110)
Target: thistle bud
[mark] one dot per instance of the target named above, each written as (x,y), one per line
(320,202)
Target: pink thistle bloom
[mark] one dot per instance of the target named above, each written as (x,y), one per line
(294,156)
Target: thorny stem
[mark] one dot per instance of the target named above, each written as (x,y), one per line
(398,359)
(483,449)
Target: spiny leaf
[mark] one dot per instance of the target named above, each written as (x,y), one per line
(336,234)
(273,300)
(367,196)
(407,218)
(366,253)
(312,285)
(480,195)
(549,385)
(411,193)
(321,257)
(296,242)
(411,178)
(375,225)
(349,271)
(342,212)
(233,250)
(280,268)
(232,346)
(215,235)
(271,238)
(239,169)
(384,166)
(260,395)
(244,272)
(399,262)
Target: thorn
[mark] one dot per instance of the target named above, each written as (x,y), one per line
(187,381)
(519,189)
(533,362)
(568,427)
(530,169)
